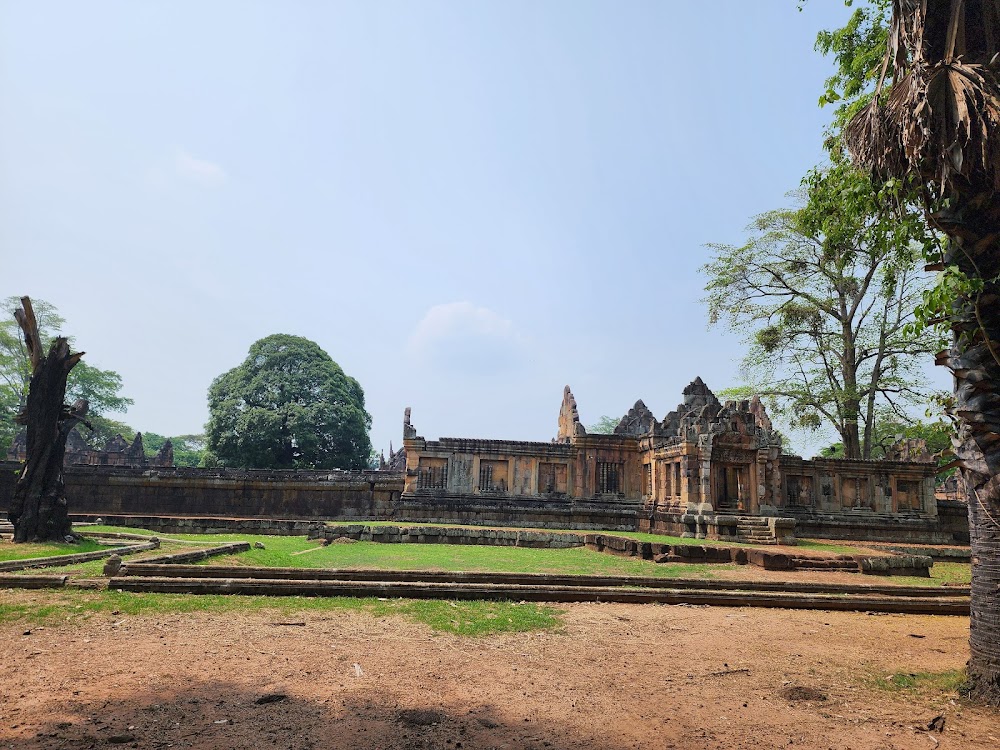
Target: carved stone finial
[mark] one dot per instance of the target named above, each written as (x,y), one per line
(638,421)
(165,456)
(760,414)
(409,431)
(569,418)
(136,453)
(117,444)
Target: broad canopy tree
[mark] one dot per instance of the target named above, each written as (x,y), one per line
(824,295)
(934,119)
(604,426)
(288,406)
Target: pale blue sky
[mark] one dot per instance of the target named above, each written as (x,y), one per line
(467,204)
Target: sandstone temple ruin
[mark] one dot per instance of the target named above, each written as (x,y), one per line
(117,452)
(707,469)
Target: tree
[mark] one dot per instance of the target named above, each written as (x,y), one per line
(824,295)
(100,388)
(188,449)
(934,119)
(604,426)
(38,507)
(288,406)
(889,431)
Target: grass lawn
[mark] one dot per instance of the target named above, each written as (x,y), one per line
(805,544)
(951,573)
(475,618)
(94,568)
(836,548)
(300,552)
(11,551)
(281,552)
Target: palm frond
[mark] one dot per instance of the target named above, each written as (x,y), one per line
(940,118)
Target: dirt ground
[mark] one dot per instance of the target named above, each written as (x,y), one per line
(616,676)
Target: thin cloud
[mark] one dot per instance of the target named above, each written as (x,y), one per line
(462,337)
(201,171)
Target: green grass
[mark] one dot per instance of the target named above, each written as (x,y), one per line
(475,618)
(948,683)
(836,549)
(279,551)
(11,551)
(952,572)
(942,574)
(94,568)
(806,544)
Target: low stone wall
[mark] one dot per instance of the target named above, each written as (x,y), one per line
(364,495)
(951,526)
(907,565)
(208,524)
(451,535)
(503,510)
(866,527)
(953,519)
(56,561)
(937,554)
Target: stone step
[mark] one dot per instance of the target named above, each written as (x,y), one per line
(827,565)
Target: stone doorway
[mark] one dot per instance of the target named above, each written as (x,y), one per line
(732,484)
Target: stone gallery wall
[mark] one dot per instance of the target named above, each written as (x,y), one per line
(338,495)
(362,495)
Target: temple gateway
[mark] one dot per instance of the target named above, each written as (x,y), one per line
(707,469)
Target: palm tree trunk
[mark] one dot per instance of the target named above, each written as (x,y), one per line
(974,358)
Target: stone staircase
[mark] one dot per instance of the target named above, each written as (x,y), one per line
(754,530)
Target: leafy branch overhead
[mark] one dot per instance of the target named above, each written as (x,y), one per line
(824,296)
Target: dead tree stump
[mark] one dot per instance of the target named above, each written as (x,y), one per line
(38,508)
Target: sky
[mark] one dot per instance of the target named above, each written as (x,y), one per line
(468,205)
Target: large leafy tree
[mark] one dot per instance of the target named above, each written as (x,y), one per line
(101,388)
(288,406)
(934,120)
(889,431)
(604,426)
(824,296)
(189,450)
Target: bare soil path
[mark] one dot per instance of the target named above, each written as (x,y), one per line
(616,676)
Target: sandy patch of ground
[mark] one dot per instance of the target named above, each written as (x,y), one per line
(617,676)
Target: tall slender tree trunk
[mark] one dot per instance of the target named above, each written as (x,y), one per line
(852,440)
(974,358)
(849,370)
(38,508)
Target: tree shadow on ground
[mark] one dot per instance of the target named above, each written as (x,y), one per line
(220,715)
